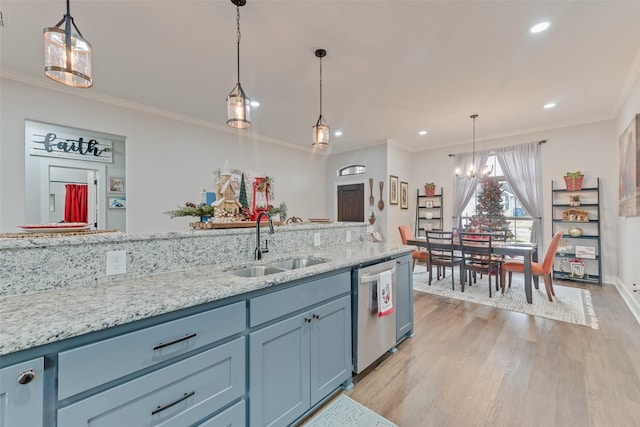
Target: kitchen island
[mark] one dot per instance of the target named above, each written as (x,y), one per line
(84,340)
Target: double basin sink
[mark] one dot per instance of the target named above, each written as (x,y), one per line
(276,267)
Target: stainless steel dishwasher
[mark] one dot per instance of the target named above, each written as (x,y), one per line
(374,335)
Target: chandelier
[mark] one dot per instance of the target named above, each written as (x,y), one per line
(321,129)
(67,55)
(238,104)
(471,168)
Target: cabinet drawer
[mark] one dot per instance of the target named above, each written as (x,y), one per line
(279,303)
(88,366)
(233,416)
(177,395)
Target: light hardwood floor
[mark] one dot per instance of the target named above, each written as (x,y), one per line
(474,365)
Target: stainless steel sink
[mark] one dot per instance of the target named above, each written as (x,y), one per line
(257,271)
(292,264)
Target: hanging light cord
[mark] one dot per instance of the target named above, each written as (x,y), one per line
(238,36)
(320,86)
(473,158)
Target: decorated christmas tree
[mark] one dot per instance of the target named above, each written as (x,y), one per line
(489,215)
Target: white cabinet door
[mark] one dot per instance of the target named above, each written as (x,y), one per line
(21,394)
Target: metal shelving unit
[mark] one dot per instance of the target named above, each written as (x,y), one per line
(590,238)
(421,209)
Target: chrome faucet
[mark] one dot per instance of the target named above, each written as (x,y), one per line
(259,251)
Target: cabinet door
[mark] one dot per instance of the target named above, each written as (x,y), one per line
(404,298)
(22,404)
(279,372)
(330,347)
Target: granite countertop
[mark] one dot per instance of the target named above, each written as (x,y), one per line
(40,318)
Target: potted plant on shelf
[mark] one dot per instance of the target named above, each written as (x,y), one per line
(430,189)
(573,181)
(574,200)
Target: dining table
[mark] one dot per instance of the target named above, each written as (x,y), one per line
(528,252)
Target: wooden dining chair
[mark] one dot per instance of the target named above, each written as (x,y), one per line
(417,255)
(478,256)
(442,253)
(539,269)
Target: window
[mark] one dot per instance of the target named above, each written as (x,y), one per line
(351,170)
(520,222)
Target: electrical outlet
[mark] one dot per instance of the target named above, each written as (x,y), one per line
(348,236)
(116,262)
(316,239)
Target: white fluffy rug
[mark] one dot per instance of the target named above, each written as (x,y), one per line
(571,305)
(346,412)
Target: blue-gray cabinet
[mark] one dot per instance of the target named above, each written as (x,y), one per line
(177,395)
(22,394)
(144,377)
(404,298)
(299,357)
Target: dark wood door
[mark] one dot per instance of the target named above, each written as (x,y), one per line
(351,203)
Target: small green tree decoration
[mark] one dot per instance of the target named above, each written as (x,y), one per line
(489,215)
(242,197)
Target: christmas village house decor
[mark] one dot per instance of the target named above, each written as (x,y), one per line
(231,208)
(573,214)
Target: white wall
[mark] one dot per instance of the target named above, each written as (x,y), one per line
(400,164)
(589,148)
(168,161)
(629,228)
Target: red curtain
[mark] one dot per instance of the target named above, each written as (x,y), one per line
(75,204)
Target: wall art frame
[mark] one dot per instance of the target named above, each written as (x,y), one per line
(393,190)
(116,184)
(629,167)
(404,195)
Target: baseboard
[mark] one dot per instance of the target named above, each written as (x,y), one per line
(633,302)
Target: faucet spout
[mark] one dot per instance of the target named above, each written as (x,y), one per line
(258,251)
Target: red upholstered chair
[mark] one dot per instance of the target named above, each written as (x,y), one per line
(538,269)
(418,255)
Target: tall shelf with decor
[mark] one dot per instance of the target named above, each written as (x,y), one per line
(576,211)
(428,206)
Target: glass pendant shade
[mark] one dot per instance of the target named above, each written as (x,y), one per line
(321,132)
(238,109)
(67,55)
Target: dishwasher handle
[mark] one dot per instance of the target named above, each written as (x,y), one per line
(374,277)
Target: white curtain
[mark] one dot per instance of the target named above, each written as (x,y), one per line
(521,167)
(463,188)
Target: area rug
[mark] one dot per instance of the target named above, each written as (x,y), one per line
(572,305)
(346,412)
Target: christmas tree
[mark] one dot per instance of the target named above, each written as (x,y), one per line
(242,197)
(489,209)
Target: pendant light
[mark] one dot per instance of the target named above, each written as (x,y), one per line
(67,55)
(321,129)
(238,104)
(471,169)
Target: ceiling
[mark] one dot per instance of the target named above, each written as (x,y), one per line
(393,67)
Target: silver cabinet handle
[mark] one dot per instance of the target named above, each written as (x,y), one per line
(26,377)
(307,319)
(316,316)
(167,344)
(161,408)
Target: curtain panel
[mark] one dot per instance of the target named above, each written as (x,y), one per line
(75,203)
(463,187)
(522,170)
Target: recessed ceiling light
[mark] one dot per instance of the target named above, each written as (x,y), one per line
(255,104)
(550,105)
(539,27)
(422,132)
(338,133)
